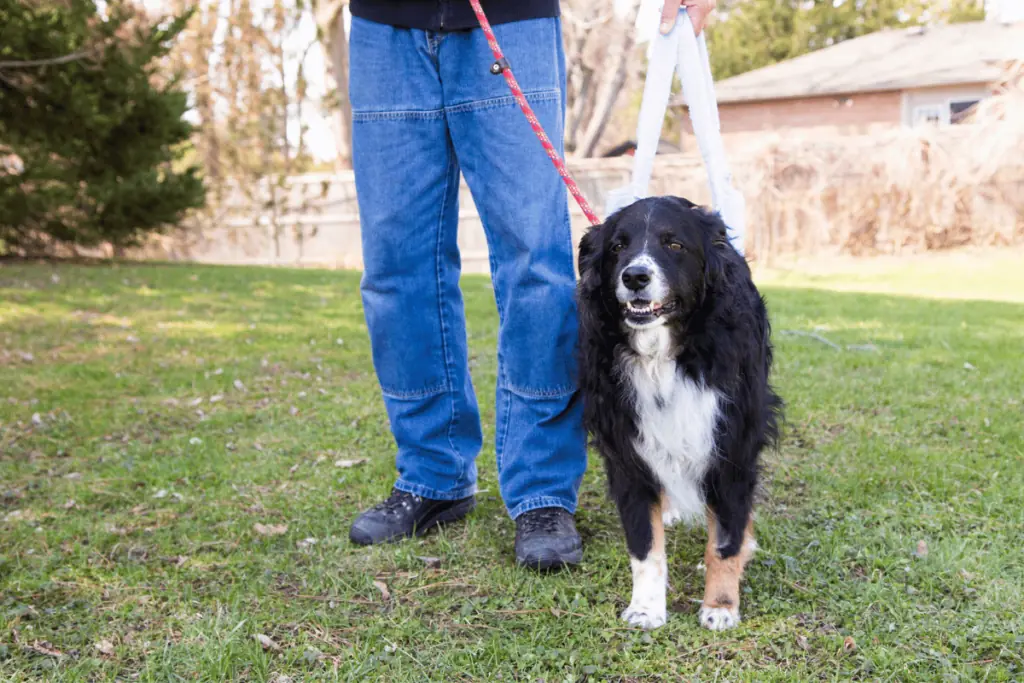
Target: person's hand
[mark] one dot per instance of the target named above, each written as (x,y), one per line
(698,11)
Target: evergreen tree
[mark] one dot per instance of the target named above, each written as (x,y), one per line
(98,129)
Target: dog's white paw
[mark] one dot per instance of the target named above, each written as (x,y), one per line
(646,617)
(719,618)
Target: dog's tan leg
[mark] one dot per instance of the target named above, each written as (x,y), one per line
(721,607)
(647,608)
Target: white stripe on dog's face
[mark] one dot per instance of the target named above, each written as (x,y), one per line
(656,290)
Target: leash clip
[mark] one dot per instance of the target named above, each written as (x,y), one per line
(499,66)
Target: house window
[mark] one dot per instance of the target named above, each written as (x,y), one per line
(930,115)
(960,110)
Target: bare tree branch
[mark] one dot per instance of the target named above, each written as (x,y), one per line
(615,69)
(53,61)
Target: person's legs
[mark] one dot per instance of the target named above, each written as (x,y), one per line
(540,445)
(407,180)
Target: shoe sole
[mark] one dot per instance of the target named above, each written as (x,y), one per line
(551,561)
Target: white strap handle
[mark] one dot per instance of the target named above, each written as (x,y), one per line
(680,50)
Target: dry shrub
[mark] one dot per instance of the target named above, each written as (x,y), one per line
(893,191)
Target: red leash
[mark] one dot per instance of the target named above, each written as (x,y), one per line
(501,66)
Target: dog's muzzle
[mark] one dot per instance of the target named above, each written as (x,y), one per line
(642,292)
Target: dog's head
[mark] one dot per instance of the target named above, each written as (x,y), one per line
(653,261)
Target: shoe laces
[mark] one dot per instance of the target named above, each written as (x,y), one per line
(543,519)
(398,501)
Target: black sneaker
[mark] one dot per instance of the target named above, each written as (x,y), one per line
(546,538)
(404,515)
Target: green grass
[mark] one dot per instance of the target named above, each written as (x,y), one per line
(128,499)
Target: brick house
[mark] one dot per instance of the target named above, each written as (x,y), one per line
(909,77)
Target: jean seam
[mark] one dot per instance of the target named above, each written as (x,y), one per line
(434,494)
(544,95)
(554,392)
(440,312)
(397,115)
(541,502)
(414,394)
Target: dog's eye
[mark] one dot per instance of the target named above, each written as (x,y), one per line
(617,247)
(675,246)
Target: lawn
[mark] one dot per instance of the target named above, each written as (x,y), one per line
(182,449)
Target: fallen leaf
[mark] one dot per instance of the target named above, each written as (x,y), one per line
(350,463)
(216,398)
(37,419)
(849,644)
(306,543)
(27,357)
(238,385)
(431,562)
(45,647)
(162,493)
(968,366)
(383,588)
(921,550)
(196,401)
(293,411)
(69,505)
(105,647)
(267,642)
(801,641)
(73,475)
(294,468)
(270,529)
(319,459)
(195,441)
(132,339)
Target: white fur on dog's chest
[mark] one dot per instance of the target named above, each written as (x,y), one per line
(676,420)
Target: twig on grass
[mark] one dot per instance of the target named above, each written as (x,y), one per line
(812,335)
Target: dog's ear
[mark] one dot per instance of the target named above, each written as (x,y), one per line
(591,254)
(716,242)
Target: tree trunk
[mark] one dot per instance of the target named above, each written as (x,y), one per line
(616,67)
(330,19)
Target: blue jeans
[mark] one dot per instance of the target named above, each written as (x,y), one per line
(425,108)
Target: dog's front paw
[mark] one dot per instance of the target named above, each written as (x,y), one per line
(644,616)
(719,618)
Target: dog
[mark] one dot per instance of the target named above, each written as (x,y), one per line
(675,356)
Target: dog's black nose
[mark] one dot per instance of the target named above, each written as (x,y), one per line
(636,277)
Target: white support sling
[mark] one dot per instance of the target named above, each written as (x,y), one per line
(680,50)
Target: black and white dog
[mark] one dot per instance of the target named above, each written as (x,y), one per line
(674,361)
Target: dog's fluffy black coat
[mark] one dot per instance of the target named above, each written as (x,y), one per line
(721,334)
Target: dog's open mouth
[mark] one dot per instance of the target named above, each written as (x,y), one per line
(640,311)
